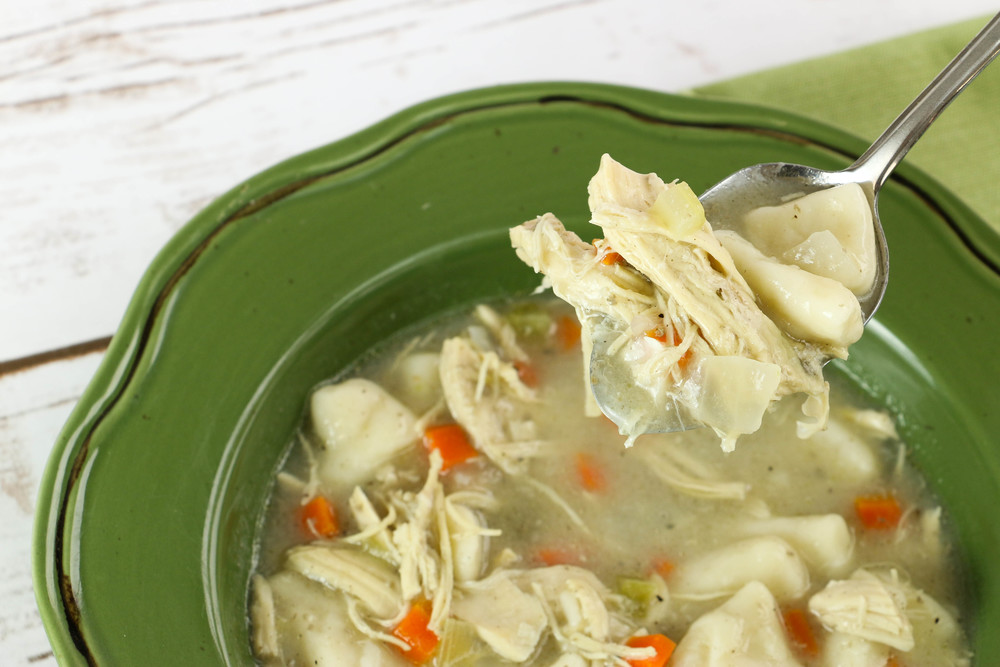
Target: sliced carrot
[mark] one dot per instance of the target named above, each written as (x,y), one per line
(451,442)
(606,255)
(686,357)
(319,518)
(892,662)
(663,645)
(800,632)
(589,473)
(414,632)
(526,373)
(611,258)
(660,334)
(567,333)
(878,512)
(663,567)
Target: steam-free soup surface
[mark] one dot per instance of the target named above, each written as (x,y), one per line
(448,503)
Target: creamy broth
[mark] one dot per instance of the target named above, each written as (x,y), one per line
(664,528)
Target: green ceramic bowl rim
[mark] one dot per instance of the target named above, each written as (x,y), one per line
(53,586)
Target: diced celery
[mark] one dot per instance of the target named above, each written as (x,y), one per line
(530,320)
(639,591)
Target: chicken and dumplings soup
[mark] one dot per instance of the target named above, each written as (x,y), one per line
(455,499)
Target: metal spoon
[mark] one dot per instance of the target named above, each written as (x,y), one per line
(629,406)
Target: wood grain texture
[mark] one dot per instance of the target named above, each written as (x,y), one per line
(120,119)
(34,403)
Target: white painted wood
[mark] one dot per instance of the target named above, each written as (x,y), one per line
(119,119)
(34,403)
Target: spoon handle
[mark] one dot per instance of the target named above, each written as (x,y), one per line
(875,165)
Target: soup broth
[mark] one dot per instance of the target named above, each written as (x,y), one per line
(447,502)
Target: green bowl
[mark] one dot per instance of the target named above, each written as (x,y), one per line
(154,494)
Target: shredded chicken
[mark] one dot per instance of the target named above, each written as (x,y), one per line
(502,332)
(419,568)
(690,284)
(684,473)
(486,396)
(358,574)
(881,606)
(865,606)
(262,616)
(426,541)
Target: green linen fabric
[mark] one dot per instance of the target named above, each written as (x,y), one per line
(864,89)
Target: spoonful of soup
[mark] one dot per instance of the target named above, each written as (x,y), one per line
(825,223)
(703,311)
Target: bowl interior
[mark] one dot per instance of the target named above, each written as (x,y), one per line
(159,481)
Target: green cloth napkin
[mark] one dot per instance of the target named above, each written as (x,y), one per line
(864,89)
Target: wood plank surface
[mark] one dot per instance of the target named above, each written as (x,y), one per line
(34,403)
(120,119)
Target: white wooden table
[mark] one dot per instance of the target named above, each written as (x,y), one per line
(119,119)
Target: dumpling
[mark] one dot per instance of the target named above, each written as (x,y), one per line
(865,606)
(723,571)
(746,631)
(311,627)
(829,233)
(361,426)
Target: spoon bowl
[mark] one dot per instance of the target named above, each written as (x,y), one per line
(629,406)
(727,202)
